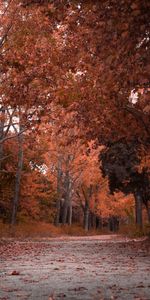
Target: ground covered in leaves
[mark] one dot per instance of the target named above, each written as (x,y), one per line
(85,268)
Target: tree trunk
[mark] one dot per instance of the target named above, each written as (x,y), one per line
(93,220)
(2,122)
(90,220)
(70,215)
(86,218)
(18,178)
(87,196)
(67,207)
(138,209)
(58,201)
(110,222)
(57,217)
(65,213)
(98,223)
(113,223)
(70,203)
(148,210)
(1,155)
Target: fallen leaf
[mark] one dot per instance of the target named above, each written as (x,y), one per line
(15,273)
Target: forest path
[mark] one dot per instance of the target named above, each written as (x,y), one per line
(75,268)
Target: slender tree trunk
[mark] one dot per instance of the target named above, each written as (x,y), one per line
(87,196)
(57,217)
(70,203)
(65,213)
(18,179)
(138,209)
(148,210)
(1,155)
(58,201)
(67,210)
(98,223)
(90,220)
(67,207)
(86,217)
(113,223)
(2,122)
(93,220)
(70,215)
(66,204)
(117,223)
(110,222)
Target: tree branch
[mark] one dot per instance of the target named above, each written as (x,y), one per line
(138,115)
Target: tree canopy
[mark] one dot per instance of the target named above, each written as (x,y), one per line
(74,85)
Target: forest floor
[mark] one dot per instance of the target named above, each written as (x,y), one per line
(75,268)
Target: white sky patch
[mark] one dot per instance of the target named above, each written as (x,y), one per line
(144,40)
(41,168)
(80,73)
(133,98)
(58,26)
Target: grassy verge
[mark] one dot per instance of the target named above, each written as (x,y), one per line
(133,230)
(40,229)
(46,230)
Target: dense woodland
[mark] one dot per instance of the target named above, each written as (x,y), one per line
(75,112)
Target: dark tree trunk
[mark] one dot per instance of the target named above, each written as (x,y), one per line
(18,179)
(57,217)
(86,218)
(138,209)
(148,210)
(113,224)
(90,221)
(87,196)
(94,221)
(70,215)
(98,223)
(110,222)
(64,213)
(2,121)
(1,155)
(67,206)
(58,201)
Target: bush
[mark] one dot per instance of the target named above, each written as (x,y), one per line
(133,230)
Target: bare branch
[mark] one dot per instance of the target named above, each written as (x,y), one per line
(7,156)
(4,37)
(12,136)
(10,121)
(138,115)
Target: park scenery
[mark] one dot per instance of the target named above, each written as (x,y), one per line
(74,149)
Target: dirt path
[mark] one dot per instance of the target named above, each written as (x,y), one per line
(90,268)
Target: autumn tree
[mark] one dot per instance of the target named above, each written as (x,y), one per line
(92,59)
(63,160)
(121,164)
(98,79)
